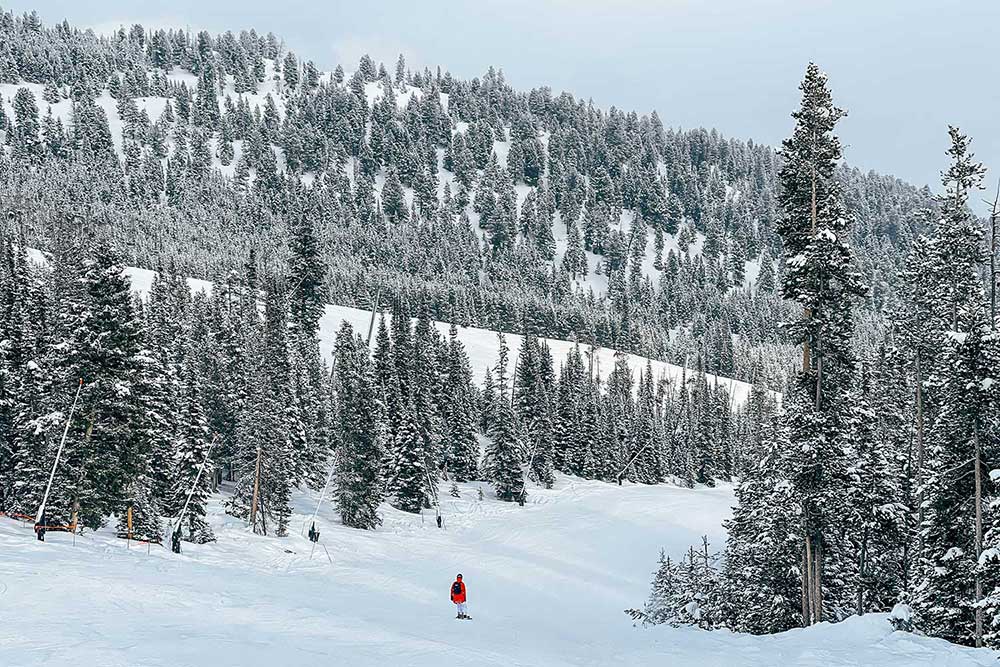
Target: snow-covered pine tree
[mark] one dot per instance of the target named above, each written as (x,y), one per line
(878,502)
(819,276)
(410,476)
(534,387)
(359,408)
(762,590)
(459,437)
(191,451)
(661,607)
(146,524)
(102,346)
(502,464)
(699,594)
(427,395)
(960,445)
(27,427)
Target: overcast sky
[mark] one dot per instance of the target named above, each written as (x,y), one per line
(903,69)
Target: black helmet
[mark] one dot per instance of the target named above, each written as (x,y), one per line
(458,576)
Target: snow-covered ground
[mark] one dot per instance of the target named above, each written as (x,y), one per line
(547,584)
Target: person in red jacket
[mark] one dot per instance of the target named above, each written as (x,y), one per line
(458,596)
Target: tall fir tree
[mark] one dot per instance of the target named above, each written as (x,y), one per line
(820,277)
(359,412)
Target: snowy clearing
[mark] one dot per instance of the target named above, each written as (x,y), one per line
(547,586)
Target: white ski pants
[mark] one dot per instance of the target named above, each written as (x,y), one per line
(461,607)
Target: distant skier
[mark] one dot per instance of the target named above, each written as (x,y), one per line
(458,596)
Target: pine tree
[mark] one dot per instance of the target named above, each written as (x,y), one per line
(26,141)
(459,438)
(661,606)
(959,444)
(410,474)
(534,386)
(762,555)
(101,345)
(393,201)
(290,71)
(502,464)
(359,484)
(146,524)
(819,276)
(191,447)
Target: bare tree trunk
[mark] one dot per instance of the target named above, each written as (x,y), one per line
(805,590)
(807,584)
(256,493)
(818,577)
(371,323)
(979,540)
(920,455)
(993,266)
(806,347)
(862,564)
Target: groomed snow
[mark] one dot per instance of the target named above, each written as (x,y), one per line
(547,586)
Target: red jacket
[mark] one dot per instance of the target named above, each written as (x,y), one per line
(458,597)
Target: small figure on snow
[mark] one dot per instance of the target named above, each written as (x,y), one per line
(458,596)
(40,527)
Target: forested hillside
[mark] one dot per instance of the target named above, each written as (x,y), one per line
(519,211)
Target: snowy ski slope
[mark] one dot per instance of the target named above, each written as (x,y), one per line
(547,586)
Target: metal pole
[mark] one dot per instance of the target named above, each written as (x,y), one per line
(256,491)
(432,488)
(322,497)
(371,323)
(632,460)
(194,486)
(62,442)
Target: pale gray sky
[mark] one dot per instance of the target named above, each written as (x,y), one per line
(903,69)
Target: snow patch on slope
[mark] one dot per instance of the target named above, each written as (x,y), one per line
(480,344)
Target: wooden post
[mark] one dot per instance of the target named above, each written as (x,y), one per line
(256,492)
(128,520)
